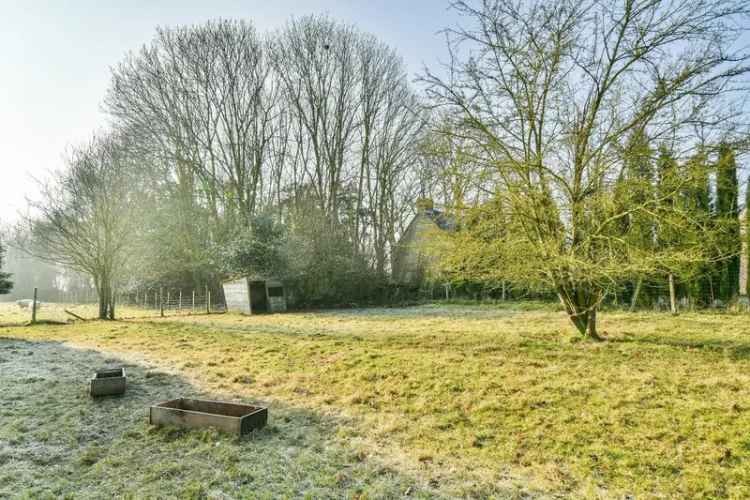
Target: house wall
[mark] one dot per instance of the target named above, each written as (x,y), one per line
(410,259)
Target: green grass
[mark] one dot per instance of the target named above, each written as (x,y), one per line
(433,400)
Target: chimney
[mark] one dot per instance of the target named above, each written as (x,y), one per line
(424,205)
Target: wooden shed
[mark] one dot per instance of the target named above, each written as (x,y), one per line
(255,295)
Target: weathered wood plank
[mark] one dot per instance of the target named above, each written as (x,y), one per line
(235,418)
(108,382)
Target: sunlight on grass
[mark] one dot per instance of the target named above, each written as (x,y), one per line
(483,400)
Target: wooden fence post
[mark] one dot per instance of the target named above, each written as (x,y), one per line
(193,310)
(161,302)
(208,300)
(33,307)
(179,307)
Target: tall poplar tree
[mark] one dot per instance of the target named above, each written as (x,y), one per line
(697,202)
(747,235)
(727,215)
(637,185)
(667,182)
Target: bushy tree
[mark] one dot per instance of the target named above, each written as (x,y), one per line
(324,266)
(258,250)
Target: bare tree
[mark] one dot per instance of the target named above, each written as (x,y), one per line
(315,60)
(204,97)
(85,218)
(236,125)
(360,122)
(547,90)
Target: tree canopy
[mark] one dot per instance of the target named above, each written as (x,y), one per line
(548,91)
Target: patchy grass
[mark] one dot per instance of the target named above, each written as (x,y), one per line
(461,401)
(56,442)
(11,314)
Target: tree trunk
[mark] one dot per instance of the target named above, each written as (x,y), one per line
(111,313)
(102,301)
(636,293)
(106,297)
(672,295)
(591,331)
(581,309)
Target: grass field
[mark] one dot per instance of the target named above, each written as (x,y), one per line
(13,315)
(428,401)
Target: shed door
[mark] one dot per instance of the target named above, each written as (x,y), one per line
(258,299)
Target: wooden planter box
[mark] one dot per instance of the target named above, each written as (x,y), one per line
(108,382)
(235,418)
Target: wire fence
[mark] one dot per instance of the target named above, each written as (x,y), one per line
(150,303)
(173,301)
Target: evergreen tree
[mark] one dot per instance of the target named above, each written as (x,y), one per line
(697,203)
(747,235)
(683,194)
(666,237)
(638,182)
(639,172)
(667,175)
(727,217)
(5,284)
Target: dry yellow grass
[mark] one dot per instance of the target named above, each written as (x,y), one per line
(480,401)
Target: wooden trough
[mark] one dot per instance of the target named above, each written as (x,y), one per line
(109,382)
(235,418)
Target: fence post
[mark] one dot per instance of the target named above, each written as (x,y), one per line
(167,299)
(179,307)
(161,302)
(193,310)
(208,300)
(33,307)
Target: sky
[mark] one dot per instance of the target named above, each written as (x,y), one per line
(55,60)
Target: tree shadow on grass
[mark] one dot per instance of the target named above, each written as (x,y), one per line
(55,440)
(733,348)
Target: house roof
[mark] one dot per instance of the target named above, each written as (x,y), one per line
(443,221)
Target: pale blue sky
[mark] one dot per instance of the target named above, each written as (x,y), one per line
(55,59)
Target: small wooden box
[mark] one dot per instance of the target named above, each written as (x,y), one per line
(235,418)
(108,382)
